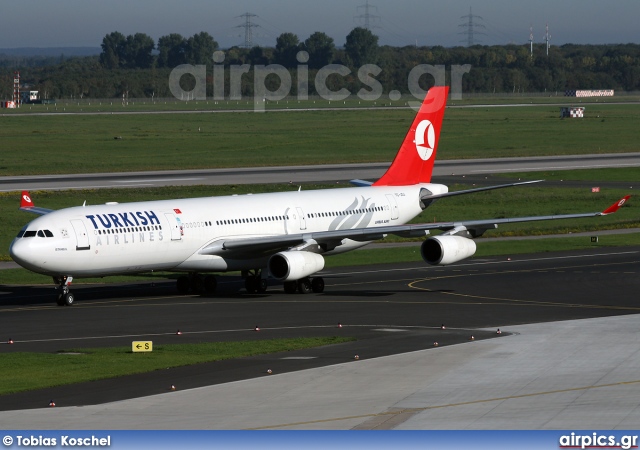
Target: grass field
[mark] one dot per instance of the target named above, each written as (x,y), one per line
(27,371)
(86,144)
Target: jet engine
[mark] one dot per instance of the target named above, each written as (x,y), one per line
(293,265)
(446,249)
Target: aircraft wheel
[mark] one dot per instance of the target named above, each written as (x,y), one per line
(290,287)
(304,285)
(210,284)
(68,299)
(317,285)
(197,284)
(262,285)
(250,284)
(183,285)
(60,300)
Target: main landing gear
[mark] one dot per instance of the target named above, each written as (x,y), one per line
(305,285)
(195,283)
(65,297)
(253,281)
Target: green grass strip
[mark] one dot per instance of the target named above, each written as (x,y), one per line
(28,371)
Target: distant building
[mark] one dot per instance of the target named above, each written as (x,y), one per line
(29,96)
(571,111)
(590,93)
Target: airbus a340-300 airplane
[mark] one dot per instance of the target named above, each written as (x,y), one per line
(283,235)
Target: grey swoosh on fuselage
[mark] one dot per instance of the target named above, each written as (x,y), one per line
(353,220)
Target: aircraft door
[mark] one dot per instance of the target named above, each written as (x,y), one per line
(82,237)
(175,225)
(303,220)
(393,204)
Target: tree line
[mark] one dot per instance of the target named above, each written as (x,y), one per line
(140,67)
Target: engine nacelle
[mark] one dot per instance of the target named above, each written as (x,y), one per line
(446,249)
(286,266)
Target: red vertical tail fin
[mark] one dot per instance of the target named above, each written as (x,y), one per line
(414,162)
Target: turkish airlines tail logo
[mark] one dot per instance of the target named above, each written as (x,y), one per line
(414,162)
(425,134)
(25,201)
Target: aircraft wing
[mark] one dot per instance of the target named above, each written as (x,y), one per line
(26,204)
(330,239)
(427,198)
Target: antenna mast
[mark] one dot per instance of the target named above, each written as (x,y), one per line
(547,37)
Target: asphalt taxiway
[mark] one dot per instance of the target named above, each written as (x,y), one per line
(394,311)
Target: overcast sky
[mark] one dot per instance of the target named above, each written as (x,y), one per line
(83,23)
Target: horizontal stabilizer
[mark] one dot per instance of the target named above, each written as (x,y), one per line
(361,183)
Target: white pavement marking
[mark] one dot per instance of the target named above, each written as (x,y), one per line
(157,180)
(483,263)
(239,330)
(527,169)
(75,188)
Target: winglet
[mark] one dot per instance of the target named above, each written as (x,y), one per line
(25,200)
(616,206)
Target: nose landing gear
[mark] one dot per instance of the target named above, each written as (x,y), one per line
(65,297)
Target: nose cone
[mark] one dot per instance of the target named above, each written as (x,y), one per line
(22,253)
(17,250)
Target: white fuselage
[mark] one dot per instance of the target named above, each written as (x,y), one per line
(116,238)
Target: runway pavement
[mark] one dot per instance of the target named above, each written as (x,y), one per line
(443,170)
(394,311)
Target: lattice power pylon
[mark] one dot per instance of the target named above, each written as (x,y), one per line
(248,27)
(471,28)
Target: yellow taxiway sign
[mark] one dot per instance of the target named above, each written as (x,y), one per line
(142,346)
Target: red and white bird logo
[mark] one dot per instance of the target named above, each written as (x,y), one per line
(425,134)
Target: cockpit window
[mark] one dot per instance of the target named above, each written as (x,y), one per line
(31,233)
